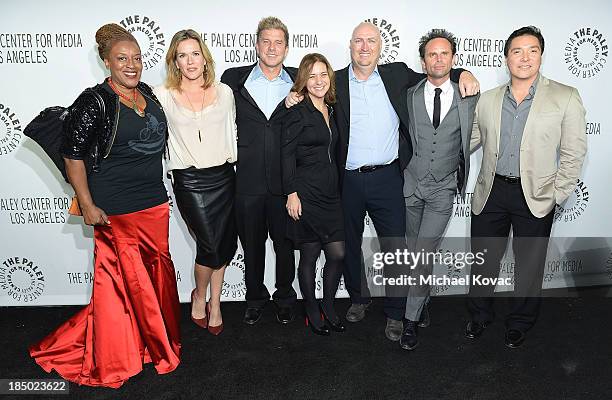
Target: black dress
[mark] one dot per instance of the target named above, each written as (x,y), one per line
(309,168)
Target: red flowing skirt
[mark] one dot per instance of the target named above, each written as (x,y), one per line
(133,315)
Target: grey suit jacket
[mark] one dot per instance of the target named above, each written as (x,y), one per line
(466,107)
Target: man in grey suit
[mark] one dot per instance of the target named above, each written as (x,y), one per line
(440,129)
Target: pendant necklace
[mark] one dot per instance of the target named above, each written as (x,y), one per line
(201,112)
(140,112)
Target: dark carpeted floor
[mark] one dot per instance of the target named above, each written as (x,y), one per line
(568,355)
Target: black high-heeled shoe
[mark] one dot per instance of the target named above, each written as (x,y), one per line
(336,326)
(323,330)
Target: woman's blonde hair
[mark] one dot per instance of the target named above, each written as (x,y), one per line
(174,75)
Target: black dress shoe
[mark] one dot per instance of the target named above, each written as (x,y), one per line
(409,339)
(474,329)
(514,338)
(356,312)
(424,319)
(394,329)
(252,315)
(284,315)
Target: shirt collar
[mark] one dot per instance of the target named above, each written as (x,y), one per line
(532,88)
(446,86)
(353,78)
(257,73)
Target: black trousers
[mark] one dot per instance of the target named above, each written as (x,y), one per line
(380,194)
(256,217)
(506,208)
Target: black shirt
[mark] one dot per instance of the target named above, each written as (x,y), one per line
(130,178)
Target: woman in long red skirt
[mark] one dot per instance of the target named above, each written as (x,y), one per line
(115,136)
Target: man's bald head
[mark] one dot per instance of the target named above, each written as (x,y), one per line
(365,27)
(365,46)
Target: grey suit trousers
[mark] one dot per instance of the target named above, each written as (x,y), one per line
(428,211)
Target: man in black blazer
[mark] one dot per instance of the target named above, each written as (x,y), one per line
(374,148)
(260,204)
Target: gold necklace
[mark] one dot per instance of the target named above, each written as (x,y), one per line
(201,112)
(140,112)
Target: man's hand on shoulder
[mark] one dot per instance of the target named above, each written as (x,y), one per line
(292,99)
(468,84)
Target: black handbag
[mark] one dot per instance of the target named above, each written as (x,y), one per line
(47,130)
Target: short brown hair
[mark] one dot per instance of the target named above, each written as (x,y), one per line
(303,75)
(273,23)
(109,34)
(173,74)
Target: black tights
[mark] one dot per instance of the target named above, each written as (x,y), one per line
(307,270)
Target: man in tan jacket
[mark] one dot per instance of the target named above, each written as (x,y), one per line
(532,132)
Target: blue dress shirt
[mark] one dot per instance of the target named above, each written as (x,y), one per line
(268,93)
(374,126)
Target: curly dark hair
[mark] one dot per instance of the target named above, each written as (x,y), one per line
(435,34)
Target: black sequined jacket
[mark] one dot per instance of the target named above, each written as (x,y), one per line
(91,125)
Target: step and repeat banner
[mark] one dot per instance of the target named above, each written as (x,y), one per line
(48,56)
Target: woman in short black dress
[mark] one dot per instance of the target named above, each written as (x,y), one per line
(310,180)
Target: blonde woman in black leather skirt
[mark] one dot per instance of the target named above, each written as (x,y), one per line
(201,151)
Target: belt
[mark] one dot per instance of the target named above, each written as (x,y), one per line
(509,179)
(372,168)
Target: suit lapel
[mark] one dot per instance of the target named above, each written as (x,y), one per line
(292,73)
(462,107)
(388,83)
(243,90)
(538,101)
(342,91)
(245,93)
(497,107)
(414,97)
(280,107)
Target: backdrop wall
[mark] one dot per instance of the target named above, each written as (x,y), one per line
(48,56)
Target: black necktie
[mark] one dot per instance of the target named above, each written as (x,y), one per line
(436,115)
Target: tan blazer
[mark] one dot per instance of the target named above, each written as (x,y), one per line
(553,145)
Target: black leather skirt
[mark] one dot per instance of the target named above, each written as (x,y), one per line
(205,199)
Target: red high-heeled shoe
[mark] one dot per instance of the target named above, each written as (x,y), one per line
(201,322)
(215,330)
